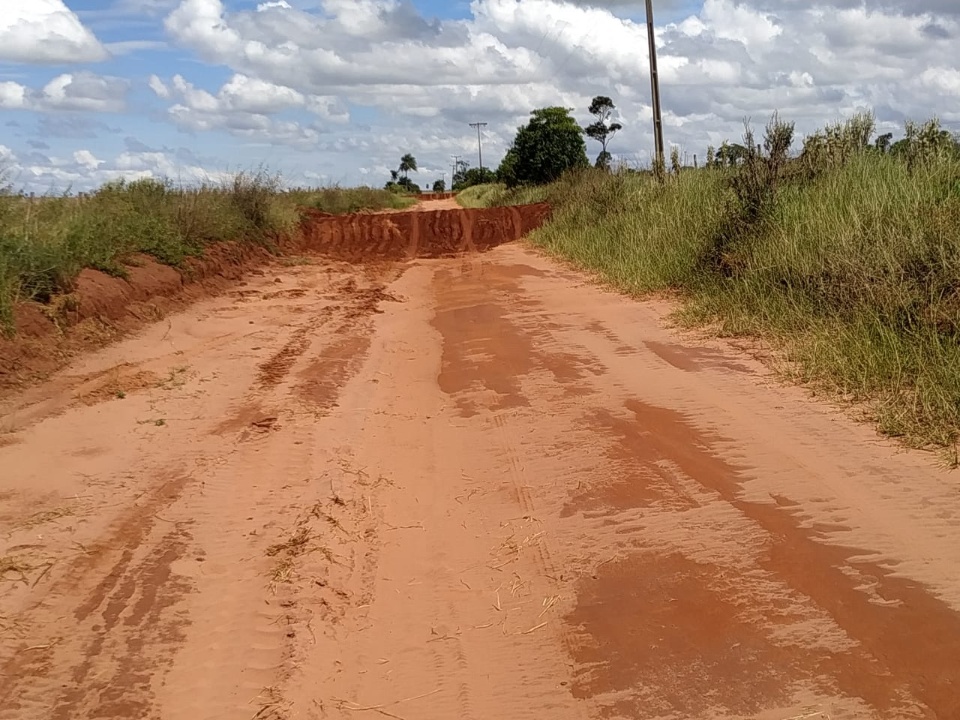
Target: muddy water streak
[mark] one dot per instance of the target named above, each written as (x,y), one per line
(492,340)
(684,635)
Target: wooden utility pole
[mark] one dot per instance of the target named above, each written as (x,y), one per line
(478,126)
(456,167)
(655,89)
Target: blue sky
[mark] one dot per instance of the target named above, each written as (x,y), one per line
(334,91)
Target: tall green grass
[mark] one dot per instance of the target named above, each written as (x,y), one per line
(641,235)
(45,242)
(339,201)
(853,269)
(495,194)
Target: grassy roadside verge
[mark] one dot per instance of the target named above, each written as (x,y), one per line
(340,201)
(848,261)
(494,195)
(45,242)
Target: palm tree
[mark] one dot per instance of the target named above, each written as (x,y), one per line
(407,163)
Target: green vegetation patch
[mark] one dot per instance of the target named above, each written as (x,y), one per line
(46,241)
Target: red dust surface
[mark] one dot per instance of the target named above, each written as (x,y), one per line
(103,307)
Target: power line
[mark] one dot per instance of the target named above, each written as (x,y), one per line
(479,126)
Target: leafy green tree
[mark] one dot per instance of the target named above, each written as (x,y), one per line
(440,186)
(408,185)
(507,171)
(603,130)
(547,146)
(731,154)
(468,177)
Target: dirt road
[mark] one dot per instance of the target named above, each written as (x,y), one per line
(474,488)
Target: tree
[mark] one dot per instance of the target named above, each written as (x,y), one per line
(439,186)
(408,164)
(731,154)
(459,168)
(883,142)
(507,172)
(467,176)
(400,178)
(547,146)
(603,129)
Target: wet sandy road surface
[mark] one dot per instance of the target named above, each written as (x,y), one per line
(475,488)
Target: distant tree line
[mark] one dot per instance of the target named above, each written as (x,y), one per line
(547,146)
(551,143)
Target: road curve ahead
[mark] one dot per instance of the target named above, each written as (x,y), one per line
(466,488)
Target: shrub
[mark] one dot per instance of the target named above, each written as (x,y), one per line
(546,147)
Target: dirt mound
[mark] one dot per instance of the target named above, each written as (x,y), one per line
(427,197)
(403,236)
(103,308)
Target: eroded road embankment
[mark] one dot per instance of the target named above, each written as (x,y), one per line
(101,307)
(471,487)
(434,230)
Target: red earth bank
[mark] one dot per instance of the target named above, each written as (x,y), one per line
(102,307)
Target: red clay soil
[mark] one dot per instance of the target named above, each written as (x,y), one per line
(476,487)
(430,234)
(102,307)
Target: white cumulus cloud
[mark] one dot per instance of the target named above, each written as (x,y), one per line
(45,31)
(299,71)
(79,92)
(244,107)
(727,60)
